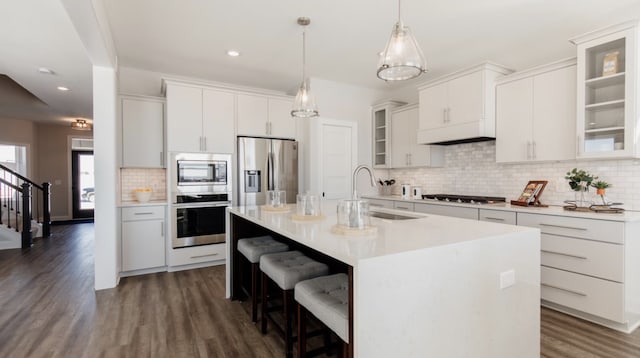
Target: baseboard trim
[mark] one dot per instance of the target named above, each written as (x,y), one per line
(72,221)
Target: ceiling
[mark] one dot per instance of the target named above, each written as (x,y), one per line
(39,34)
(191,37)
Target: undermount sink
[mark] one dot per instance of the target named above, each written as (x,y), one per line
(388,216)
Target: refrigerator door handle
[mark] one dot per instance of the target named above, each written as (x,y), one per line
(270,172)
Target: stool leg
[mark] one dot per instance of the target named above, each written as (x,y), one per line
(254,292)
(302,331)
(326,335)
(345,349)
(264,304)
(288,331)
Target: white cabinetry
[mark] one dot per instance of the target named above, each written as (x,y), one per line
(403,205)
(535,114)
(143,239)
(381,133)
(265,116)
(497,216)
(455,211)
(405,150)
(607,99)
(588,269)
(199,119)
(197,256)
(459,107)
(380,203)
(142,117)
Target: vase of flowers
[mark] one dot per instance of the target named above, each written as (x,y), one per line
(580,181)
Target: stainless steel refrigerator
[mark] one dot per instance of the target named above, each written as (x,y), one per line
(266,164)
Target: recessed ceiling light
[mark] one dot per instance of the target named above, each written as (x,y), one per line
(46,71)
(380,53)
(62,88)
(233,53)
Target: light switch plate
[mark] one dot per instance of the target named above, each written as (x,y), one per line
(507,279)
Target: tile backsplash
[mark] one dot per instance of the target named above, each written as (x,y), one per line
(133,178)
(471,169)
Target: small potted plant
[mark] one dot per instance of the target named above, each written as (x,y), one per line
(601,187)
(580,181)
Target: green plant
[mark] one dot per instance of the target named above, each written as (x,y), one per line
(579,180)
(600,184)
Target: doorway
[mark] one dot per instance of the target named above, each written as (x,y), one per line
(82,184)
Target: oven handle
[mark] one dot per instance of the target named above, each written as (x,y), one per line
(201,205)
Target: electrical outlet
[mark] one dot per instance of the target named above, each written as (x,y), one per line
(507,279)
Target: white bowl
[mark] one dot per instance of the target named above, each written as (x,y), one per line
(142,196)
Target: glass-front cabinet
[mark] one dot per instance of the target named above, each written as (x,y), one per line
(380,125)
(607,92)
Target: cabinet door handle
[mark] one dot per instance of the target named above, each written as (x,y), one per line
(406,159)
(528,150)
(565,290)
(378,205)
(564,254)
(564,227)
(448,114)
(162,159)
(144,213)
(533,155)
(402,207)
(204,147)
(444,115)
(410,159)
(200,143)
(200,256)
(492,218)
(162,228)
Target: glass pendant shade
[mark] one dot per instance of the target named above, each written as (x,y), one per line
(304,106)
(402,59)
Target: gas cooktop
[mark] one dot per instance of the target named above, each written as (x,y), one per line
(472,199)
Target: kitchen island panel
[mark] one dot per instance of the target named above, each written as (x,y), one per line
(446,301)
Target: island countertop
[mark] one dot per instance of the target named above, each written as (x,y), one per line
(433,286)
(390,237)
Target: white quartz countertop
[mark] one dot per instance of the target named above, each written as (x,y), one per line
(626,216)
(392,236)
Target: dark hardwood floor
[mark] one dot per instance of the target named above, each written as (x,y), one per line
(48,308)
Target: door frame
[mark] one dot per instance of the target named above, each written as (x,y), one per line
(76,213)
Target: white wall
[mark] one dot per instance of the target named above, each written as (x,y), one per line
(349,103)
(471,169)
(107,223)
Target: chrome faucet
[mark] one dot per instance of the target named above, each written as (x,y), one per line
(355,176)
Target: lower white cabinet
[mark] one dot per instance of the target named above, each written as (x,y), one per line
(455,211)
(143,237)
(590,268)
(497,216)
(379,203)
(197,255)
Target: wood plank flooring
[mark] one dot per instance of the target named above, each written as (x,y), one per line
(48,308)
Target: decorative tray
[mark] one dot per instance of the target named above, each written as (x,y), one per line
(594,209)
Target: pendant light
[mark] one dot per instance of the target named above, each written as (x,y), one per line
(304,106)
(402,59)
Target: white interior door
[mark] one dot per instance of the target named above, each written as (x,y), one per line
(335,147)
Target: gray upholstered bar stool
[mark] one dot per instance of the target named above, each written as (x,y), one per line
(286,269)
(252,249)
(327,298)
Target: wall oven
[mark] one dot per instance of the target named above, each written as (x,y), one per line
(200,192)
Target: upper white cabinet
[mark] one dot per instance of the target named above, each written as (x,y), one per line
(381,133)
(459,107)
(536,115)
(265,116)
(607,92)
(142,117)
(405,150)
(199,119)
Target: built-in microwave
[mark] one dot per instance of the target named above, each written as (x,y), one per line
(200,173)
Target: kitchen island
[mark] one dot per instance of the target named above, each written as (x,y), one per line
(430,286)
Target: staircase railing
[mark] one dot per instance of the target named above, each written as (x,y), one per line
(21,201)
